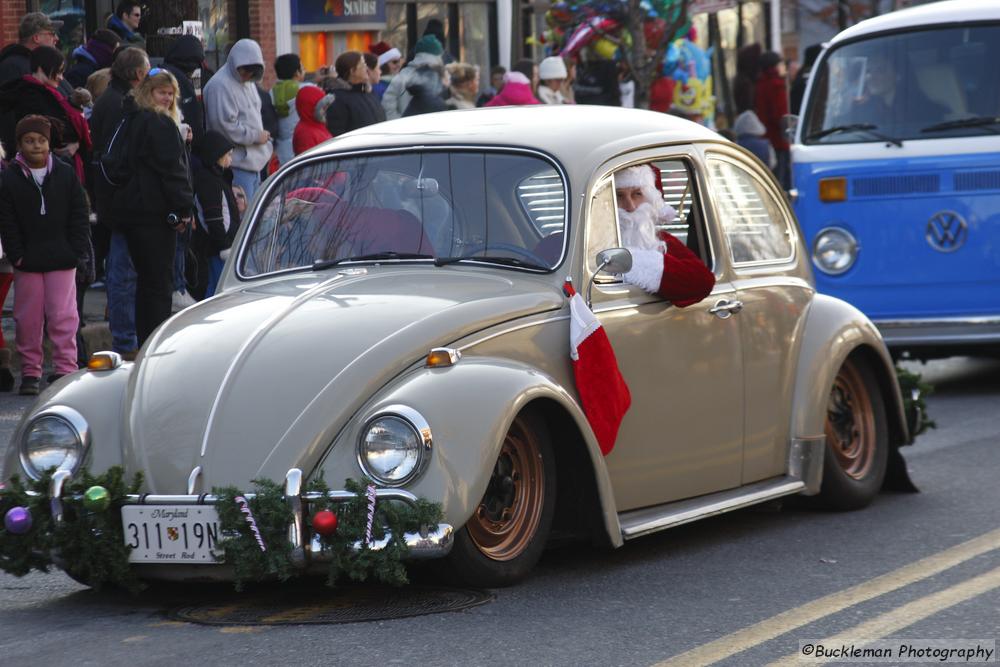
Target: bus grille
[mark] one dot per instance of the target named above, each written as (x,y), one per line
(882,186)
(978,180)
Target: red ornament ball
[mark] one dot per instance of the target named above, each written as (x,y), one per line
(325,523)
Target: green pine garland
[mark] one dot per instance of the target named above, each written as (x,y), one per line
(240,548)
(90,544)
(384,565)
(909,381)
(272,516)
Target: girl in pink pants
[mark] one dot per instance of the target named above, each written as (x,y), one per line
(45,233)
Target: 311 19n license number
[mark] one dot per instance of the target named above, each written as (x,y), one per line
(186,534)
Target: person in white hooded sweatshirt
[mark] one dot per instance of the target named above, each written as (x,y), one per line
(232,108)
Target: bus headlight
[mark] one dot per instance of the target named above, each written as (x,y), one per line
(834,250)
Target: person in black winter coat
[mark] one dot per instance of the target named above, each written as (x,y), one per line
(45,232)
(97,53)
(426,89)
(111,248)
(158,202)
(183,58)
(798,88)
(356,107)
(218,213)
(747,73)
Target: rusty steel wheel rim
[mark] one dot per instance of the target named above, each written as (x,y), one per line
(507,518)
(850,423)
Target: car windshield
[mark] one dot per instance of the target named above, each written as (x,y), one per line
(920,84)
(450,207)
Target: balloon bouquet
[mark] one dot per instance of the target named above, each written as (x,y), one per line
(593,33)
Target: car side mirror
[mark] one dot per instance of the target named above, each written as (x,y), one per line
(790,125)
(612,260)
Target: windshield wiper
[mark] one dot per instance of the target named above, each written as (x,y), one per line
(503,261)
(856,127)
(975,121)
(321,264)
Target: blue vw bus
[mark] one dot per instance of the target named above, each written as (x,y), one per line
(896,169)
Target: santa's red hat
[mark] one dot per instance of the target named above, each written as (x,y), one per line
(378,48)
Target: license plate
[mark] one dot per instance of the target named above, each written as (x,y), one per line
(186,534)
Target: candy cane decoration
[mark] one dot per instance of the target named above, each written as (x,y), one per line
(370,492)
(245,508)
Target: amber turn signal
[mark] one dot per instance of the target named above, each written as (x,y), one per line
(442,357)
(833,189)
(104,361)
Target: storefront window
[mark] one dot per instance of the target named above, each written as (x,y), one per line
(395,27)
(474,37)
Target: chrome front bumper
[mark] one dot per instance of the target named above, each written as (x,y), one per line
(940,331)
(432,541)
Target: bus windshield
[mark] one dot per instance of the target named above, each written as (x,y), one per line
(920,84)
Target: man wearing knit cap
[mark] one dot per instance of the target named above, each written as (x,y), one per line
(36,29)
(661,263)
(427,54)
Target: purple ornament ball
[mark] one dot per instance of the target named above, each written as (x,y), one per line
(17,521)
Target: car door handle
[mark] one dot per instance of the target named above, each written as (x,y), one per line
(724,308)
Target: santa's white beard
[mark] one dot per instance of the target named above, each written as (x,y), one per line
(638,228)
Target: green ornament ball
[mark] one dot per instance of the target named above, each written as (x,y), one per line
(97,499)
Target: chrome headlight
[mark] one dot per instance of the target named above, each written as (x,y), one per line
(834,250)
(395,445)
(56,438)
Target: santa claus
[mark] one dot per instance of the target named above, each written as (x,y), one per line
(661,263)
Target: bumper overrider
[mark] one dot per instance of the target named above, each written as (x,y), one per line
(432,541)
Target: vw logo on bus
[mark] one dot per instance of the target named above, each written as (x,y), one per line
(947,231)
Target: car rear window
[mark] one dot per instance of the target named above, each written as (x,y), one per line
(503,208)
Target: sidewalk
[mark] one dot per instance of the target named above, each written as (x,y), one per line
(96,334)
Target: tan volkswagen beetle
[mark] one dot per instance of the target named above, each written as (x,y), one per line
(394,308)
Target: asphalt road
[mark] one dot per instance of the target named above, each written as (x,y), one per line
(741,589)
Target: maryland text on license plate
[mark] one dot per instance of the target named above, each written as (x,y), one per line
(171,533)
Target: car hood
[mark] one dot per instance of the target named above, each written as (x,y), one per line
(259,380)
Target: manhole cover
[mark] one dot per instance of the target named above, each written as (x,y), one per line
(344,604)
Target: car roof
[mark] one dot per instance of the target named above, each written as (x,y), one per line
(935,13)
(569,132)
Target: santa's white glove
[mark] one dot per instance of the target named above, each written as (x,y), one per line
(224,254)
(646,271)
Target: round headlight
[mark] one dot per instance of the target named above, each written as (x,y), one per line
(394,446)
(834,250)
(55,439)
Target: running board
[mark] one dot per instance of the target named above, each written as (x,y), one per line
(637,523)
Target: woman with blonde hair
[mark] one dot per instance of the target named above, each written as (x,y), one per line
(158,202)
(464,85)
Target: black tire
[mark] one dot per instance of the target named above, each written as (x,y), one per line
(504,538)
(857,439)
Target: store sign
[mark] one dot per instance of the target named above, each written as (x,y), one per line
(709,6)
(315,14)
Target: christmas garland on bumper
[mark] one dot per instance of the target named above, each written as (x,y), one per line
(362,539)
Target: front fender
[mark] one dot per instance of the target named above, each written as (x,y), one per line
(835,330)
(469,407)
(99,397)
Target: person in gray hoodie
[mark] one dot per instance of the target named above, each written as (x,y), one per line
(396,97)
(232,108)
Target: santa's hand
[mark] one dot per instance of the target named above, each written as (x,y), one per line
(224,254)
(646,271)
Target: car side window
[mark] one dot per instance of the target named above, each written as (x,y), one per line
(663,195)
(602,232)
(754,226)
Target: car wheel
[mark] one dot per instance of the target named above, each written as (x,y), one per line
(505,536)
(857,439)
